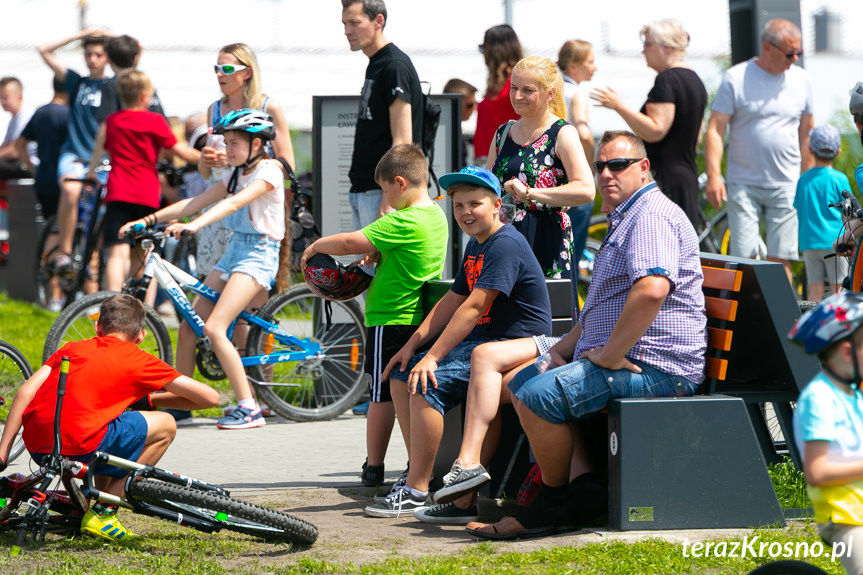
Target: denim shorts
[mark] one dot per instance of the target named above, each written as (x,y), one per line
(452,375)
(365,207)
(71,166)
(125,438)
(576,390)
(254,255)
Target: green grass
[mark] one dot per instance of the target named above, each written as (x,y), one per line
(790,485)
(170,549)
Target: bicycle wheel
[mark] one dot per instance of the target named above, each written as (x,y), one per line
(14,370)
(239,516)
(77,322)
(320,387)
(598,227)
(789,567)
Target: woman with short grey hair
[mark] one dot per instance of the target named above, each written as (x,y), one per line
(670,120)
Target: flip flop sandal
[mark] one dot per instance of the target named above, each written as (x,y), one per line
(523,533)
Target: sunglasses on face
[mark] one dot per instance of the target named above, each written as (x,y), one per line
(228,69)
(615,165)
(790,54)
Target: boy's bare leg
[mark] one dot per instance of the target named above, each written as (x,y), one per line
(401,404)
(486,392)
(161,430)
(67,213)
(815,292)
(379,429)
(117,266)
(426,433)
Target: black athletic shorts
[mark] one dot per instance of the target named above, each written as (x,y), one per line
(117,214)
(382,343)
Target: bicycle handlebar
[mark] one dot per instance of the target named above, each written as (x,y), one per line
(849,206)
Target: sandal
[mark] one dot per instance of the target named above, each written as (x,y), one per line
(507,529)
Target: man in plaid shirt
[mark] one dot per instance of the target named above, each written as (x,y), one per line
(642,333)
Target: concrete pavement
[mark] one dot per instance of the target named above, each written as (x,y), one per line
(281,455)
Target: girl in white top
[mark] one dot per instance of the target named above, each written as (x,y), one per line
(251,201)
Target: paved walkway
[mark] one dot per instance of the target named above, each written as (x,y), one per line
(283,454)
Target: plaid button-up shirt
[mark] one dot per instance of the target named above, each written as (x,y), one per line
(649,235)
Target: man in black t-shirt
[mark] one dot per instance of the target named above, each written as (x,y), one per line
(390,111)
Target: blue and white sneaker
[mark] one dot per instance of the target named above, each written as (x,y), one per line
(242,418)
(399,502)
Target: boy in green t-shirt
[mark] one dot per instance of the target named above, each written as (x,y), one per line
(409,246)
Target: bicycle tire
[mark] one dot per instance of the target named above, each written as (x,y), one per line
(597,227)
(313,389)
(14,371)
(787,567)
(242,517)
(77,322)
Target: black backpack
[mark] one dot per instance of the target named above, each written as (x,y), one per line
(431,121)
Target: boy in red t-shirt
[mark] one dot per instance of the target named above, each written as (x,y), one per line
(133,138)
(106,375)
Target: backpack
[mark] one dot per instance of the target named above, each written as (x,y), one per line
(431,121)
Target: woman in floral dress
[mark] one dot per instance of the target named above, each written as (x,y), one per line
(540,162)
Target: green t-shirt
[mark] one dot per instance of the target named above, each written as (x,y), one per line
(413,244)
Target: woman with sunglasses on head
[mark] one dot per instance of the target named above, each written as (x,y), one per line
(501,50)
(670,120)
(239,80)
(540,162)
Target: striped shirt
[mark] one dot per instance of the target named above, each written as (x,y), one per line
(649,235)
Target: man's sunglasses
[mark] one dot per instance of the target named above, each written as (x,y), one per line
(615,165)
(228,69)
(790,54)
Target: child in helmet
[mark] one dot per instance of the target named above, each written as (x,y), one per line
(828,422)
(251,200)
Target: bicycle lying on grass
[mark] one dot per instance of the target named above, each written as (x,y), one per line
(52,499)
(14,370)
(303,355)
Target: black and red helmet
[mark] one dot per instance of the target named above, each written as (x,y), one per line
(334,281)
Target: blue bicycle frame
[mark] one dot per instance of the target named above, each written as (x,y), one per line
(170,278)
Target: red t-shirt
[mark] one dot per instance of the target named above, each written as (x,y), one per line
(490,114)
(133,138)
(106,375)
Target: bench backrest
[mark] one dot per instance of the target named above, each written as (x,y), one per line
(719,286)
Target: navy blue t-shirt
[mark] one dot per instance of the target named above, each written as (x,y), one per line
(48,128)
(505,262)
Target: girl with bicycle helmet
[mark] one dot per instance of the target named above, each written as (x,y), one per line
(828,422)
(250,199)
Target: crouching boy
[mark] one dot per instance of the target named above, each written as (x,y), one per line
(106,375)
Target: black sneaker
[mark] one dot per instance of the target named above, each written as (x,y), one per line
(447,514)
(373,475)
(399,503)
(460,481)
(400,482)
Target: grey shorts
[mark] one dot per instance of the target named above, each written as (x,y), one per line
(746,206)
(836,533)
(819,270)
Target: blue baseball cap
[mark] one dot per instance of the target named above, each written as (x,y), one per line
(472,175)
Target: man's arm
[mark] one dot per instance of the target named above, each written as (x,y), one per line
(21,152)
(713,148)
(807,161)
(640,309)
(401,130)
(47,50)
(25,395)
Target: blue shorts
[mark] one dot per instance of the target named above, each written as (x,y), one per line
(125,438)
(576,390)
(254,255)
(452,375)
(71,166)
(364,207)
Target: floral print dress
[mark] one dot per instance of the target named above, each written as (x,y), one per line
(546,228)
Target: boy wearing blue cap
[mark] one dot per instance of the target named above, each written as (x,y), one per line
(498,294)
(819,225)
